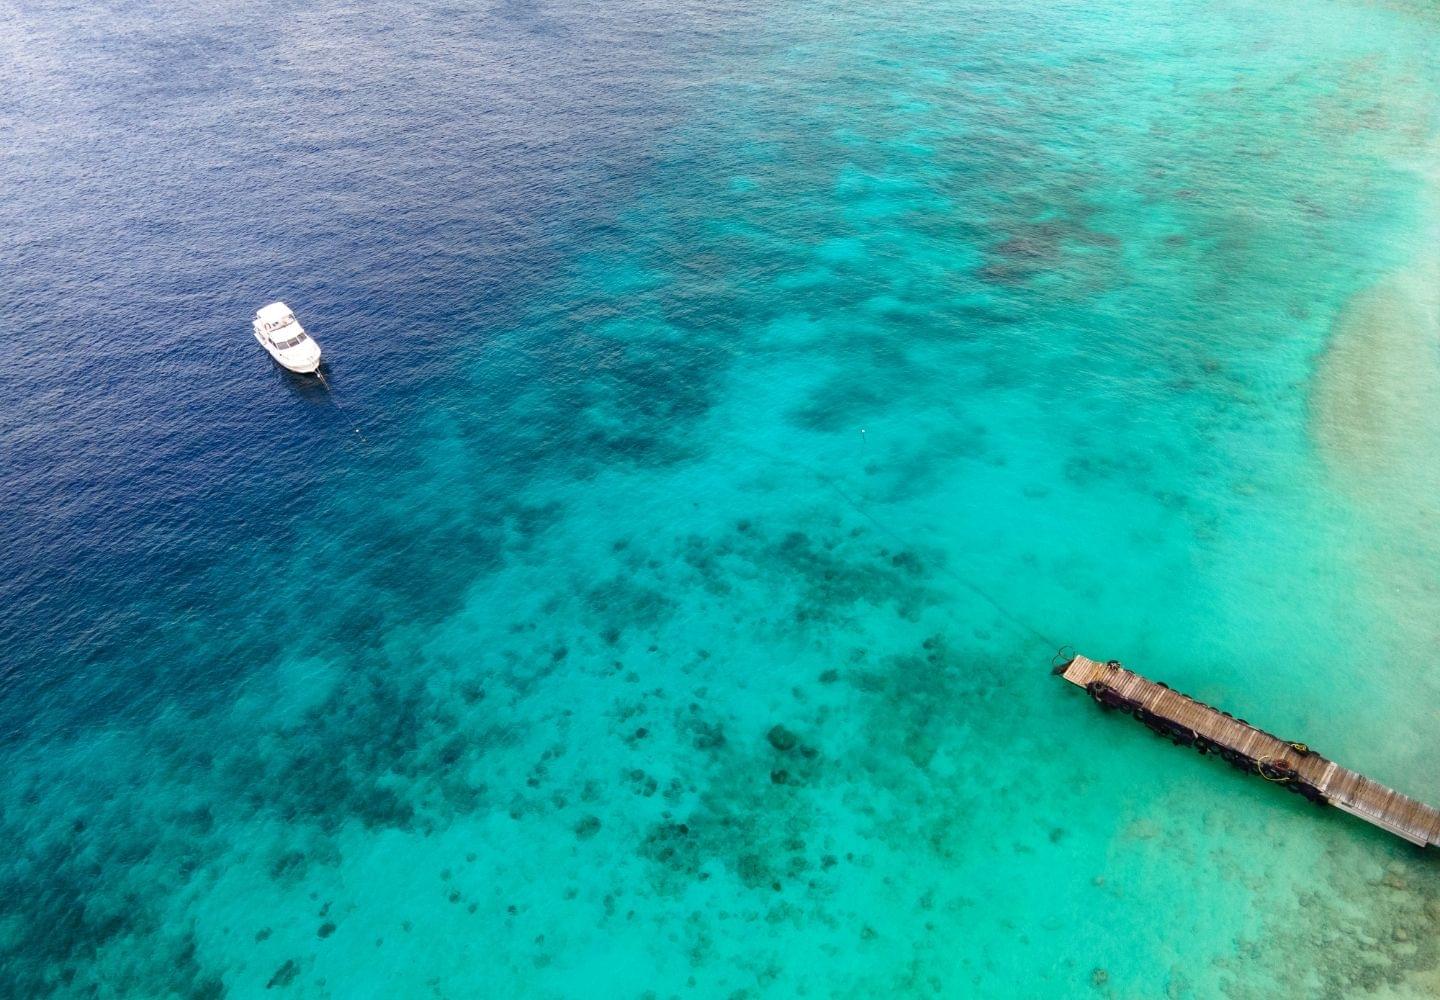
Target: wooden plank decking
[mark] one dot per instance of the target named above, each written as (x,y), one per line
(1209,730)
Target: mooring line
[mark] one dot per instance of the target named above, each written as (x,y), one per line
(336,403)
(1013,617)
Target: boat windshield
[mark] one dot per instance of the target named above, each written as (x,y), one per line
(284,344)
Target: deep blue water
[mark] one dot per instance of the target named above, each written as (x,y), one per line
(695,370)
(413,176)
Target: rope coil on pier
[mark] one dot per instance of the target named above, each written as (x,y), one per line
(1062,659)
(1268,769)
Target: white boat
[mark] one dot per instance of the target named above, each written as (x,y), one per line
(281,334)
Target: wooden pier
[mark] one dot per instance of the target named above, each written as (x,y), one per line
(1188,722)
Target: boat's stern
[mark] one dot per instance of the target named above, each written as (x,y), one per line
(304,357)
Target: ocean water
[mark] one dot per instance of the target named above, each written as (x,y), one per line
(698,368)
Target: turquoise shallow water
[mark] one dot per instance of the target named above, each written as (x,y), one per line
(869,357)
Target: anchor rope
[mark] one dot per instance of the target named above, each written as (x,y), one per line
(1016,620)
(336,403)
(1265,759)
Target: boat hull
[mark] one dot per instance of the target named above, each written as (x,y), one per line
(306,363)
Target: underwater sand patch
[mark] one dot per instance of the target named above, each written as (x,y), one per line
(1375,404)
(1375,419)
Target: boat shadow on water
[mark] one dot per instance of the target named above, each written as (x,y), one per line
(313,387)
